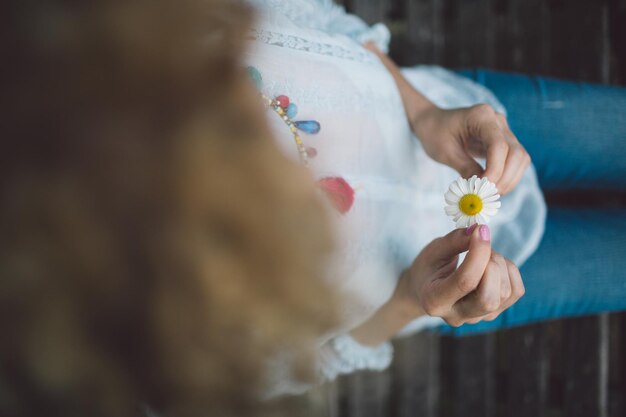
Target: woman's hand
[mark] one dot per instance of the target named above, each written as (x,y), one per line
(456,137)
(483,286)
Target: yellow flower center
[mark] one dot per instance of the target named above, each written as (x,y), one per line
(470,204)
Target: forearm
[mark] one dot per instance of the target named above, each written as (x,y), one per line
(393,316)
(414,102)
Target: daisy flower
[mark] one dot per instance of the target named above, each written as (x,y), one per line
(472,201)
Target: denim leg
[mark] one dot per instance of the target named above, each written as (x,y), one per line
(578,269)
(575,132)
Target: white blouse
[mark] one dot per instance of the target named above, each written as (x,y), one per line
(310,51)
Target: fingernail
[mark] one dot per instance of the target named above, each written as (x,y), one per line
(484,233)
(470,229)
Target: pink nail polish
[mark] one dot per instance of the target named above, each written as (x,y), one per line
(470,229)
(485,233)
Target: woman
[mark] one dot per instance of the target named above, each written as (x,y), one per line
(149,238)
(386,151)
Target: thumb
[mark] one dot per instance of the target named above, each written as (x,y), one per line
(464,164)
(473,267)
(451,245)
(470,272)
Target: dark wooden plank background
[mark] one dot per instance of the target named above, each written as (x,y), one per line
(577,39)
(573,367)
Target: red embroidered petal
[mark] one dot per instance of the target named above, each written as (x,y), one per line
(339,192)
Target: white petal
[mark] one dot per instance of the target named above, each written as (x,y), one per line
(490,198)
(489,211)
(452,198)
(482,219)
(451,210)
(468,221)
(463,221)
(456,189)
(472,221)
(482,188)
(492,204)
(463,185)
(488,190)
(472,184)
(477,185)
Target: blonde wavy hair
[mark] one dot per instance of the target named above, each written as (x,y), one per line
(155,248)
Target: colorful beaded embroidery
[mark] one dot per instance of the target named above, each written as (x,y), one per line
(287,110)
(338,191)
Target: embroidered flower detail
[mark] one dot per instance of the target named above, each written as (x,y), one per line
(472,201)
(338,191)
(287,111)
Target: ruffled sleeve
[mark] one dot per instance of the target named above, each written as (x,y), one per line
(337,356)
(337,21)
(344,355)
(326,17)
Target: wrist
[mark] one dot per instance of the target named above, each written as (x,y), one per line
(418,106)
(423,118)
(393,316)
(405,301)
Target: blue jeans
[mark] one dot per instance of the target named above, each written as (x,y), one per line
(576,136)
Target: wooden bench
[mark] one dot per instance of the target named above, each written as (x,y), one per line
(573,367)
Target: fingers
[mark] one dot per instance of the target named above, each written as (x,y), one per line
(463,163)
(506,157)
(517,285)
(505,287)
(483,286)
(449,246)
(469,272)
(516,163)
(517,291)
(486,299)
(505,281)
(514,160)
(482,122)
(467,277)
(500,287)
(497,151)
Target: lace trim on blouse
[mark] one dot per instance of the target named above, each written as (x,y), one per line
(301,44)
